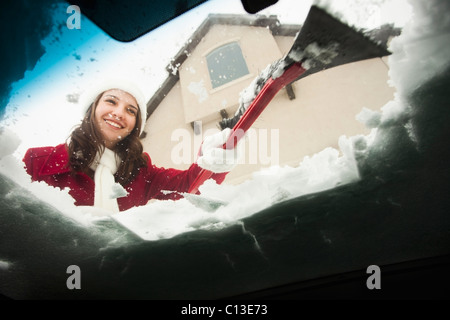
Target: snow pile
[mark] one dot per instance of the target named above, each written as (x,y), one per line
(423,50)
(219,206)
(371,119)
(164,219)
(421,53)
(14,169)
(9,142)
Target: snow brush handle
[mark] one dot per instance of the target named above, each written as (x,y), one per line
(269,90)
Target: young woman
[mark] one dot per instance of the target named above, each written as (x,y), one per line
(103,163)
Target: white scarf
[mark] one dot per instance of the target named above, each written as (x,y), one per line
(106,189)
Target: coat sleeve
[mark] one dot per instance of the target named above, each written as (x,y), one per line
(167,184)
(34,160)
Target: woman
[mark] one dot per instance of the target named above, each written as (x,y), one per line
(103,163)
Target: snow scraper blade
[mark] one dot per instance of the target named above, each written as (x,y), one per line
(325,31)
(323,42)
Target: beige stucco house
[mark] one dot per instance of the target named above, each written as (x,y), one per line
(222,58)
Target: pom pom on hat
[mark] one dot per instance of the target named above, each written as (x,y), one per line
(88,97)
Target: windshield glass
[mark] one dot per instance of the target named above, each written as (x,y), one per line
(74,58)
(324,133)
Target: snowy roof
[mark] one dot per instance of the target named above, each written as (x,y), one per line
(270,22)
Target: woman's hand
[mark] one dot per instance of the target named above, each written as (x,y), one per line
(214,157)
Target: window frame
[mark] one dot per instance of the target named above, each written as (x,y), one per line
(229,82)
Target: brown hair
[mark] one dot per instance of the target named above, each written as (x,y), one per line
(86,141)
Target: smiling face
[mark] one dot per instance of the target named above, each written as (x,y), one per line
(115,116)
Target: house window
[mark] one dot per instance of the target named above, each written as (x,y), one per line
(226,64)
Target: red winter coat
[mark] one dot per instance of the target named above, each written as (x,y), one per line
(51,164)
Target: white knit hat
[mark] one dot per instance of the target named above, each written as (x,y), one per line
(88,97)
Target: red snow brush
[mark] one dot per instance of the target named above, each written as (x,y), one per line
(323,42)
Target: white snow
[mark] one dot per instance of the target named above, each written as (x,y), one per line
(9,142)
(117,191)
(322,171)
(313,53)
(367,14)
(13,168)
(421,52)
(199,90)
(370,118)
(247,95)
(4,265)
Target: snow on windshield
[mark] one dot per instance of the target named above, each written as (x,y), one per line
(30,114)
